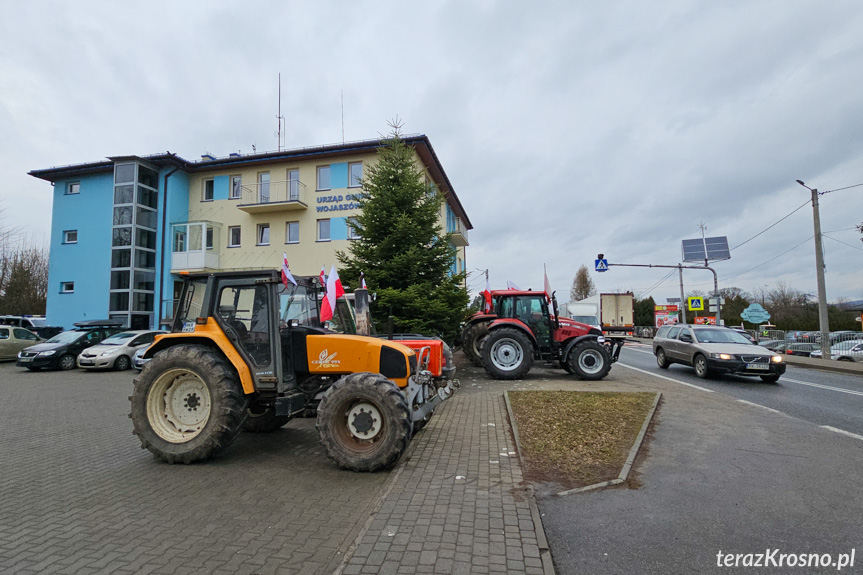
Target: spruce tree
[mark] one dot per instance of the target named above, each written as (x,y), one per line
(403,251)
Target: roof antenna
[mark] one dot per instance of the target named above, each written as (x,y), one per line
(279,117)
(342,92)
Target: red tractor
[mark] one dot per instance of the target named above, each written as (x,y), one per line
(521,329)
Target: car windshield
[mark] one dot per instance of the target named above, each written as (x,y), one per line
(38,322)
(119,339)
(720,336)
(67,337)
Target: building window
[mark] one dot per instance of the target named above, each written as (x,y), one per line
(293,185)
(67,287)
(70,237)
(264,187)
(323,230)
(292,233)
(73,188)
(323,178)
(353,234)
(209,186)
(236,187)
(209,234)
(263,234)
(234,236)
(355,174)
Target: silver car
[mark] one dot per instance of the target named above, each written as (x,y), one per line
(116,352)
(714,350)
(851,350)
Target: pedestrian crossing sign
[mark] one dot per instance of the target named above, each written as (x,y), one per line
(695,303)
(601,265)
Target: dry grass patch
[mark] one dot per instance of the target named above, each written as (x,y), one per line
(577,438)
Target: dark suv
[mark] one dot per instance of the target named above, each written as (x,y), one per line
(714,350)
(61,351)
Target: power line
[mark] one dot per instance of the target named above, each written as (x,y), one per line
(770,260)
(767,228)
(840,189)
(841,242)
(651,288)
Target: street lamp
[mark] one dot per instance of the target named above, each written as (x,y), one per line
(819,269)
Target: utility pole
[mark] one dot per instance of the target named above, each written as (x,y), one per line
(819,270)
(682,313)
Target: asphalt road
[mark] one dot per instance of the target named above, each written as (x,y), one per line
(826,399)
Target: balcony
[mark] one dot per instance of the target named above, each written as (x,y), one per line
(194,246)
(458,232)
(273,197)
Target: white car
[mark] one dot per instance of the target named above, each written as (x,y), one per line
(851,350)
(116,351)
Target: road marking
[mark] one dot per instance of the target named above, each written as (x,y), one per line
(842,431)
(839,389)
(664,377)
(642,351)
(761,406)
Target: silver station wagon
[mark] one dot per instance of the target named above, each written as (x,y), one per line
(713,350)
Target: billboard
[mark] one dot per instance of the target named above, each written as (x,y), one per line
(666,315)
(706,320)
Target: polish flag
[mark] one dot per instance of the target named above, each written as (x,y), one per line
(334,292)
(512,286)
(287,276)
(323,277)
(547,285)
(487,297)
(363,281)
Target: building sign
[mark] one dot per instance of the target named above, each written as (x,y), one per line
(706,320)
(755,314)
(666,315)
(338,203)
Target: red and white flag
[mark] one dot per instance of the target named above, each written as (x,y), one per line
(363,281)
(334,292)
(323,277)
(512,286)
(287,276)
(487,297)
(547,285)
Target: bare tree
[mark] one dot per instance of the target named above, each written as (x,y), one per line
(582,285)
(23,273)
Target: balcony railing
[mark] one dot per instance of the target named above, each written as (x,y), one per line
(194,246)
(273,197)
(458,230)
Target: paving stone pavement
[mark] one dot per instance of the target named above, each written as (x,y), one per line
(458,503)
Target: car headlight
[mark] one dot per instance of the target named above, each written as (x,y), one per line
(725,356)
(109,352)
(776,359)
(46,353)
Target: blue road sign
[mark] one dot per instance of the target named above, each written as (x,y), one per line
(601,265)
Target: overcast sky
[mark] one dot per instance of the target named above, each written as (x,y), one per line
(566,128)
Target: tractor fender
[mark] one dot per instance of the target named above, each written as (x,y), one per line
(577,340)
(518,324)
(479,318)
(208,334)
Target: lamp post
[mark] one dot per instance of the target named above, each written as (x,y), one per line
(819,269)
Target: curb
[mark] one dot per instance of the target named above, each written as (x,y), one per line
(627,467)
(541,541)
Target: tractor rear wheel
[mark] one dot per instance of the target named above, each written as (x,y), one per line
(507,353)
(187,404)
(589,360)
(364,422)
(263,419)
(471,340)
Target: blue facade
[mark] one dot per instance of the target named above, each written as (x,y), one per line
(338,229)
(338,176)
(176,206)
(221,187)
(87,262)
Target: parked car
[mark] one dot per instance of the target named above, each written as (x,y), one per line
(14,339)
(34,323)
(138,360)
(116,351)
(714,350)
(801,349)
(61,351)
(851,350)
(777,345)
(746,334)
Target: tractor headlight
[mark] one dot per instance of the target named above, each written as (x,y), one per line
(600,339)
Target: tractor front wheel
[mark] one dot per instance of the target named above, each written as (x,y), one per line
(472,339)
(507,354)
(187,404)
(589,360)
(364,422)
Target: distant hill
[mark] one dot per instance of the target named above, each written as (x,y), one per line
(852,305)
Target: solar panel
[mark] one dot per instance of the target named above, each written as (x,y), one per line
(711,249)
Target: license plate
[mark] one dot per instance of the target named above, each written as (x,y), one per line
(85,362)
(188,327)
(25,359)
(757,366)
